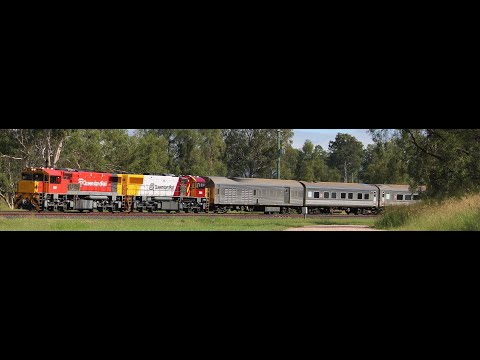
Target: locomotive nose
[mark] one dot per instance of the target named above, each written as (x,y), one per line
(27,187)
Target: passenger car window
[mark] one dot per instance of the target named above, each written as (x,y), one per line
(350,195)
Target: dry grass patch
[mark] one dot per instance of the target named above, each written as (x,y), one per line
(450,215)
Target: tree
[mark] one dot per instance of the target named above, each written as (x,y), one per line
(384,163)
(20,148)
(83,151)
(345,154)
(253,152)
(169,136)
(445,160)
(37,147)
(312,164)
(212,149)
(305,166)
(149,153)
(289,162)
(118,149)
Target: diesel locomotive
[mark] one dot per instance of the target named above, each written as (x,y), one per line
(67,189)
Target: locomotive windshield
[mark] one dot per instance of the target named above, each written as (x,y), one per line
(33,176)
(27,176)
(38,177)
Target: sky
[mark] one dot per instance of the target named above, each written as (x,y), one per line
(324,136)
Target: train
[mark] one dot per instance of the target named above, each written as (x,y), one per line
(65,189)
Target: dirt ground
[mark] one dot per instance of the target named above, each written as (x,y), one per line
(334,228)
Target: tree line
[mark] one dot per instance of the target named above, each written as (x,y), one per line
(442,159)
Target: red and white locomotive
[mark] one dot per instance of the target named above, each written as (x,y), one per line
(69,189)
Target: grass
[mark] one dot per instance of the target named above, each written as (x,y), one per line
(449,215)
(169,224)
(4,206)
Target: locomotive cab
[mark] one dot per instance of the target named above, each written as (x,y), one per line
(30,187)
(193,193)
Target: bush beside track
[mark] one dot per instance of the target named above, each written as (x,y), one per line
(448,215)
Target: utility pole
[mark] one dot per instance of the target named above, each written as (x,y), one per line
(279,153)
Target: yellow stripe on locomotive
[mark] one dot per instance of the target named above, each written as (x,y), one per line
(130,184)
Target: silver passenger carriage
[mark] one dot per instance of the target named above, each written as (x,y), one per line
(251,194)
(331,197)
(397,194)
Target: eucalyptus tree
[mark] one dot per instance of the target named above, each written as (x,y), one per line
(149,153)
(118,149)
(212,149)
(289,162)
(170,135)
(20,148)
(305,166)
(312,164)
(253,152)
(37,147)
(346,154)
(384,163)
(445,160)
(83,151)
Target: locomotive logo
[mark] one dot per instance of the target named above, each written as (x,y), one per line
(161,187)
(165,187)
(83,182)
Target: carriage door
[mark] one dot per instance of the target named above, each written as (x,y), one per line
(286,194)
(388,198)
(382,199)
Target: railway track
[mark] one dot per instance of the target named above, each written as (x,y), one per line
(48,214)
